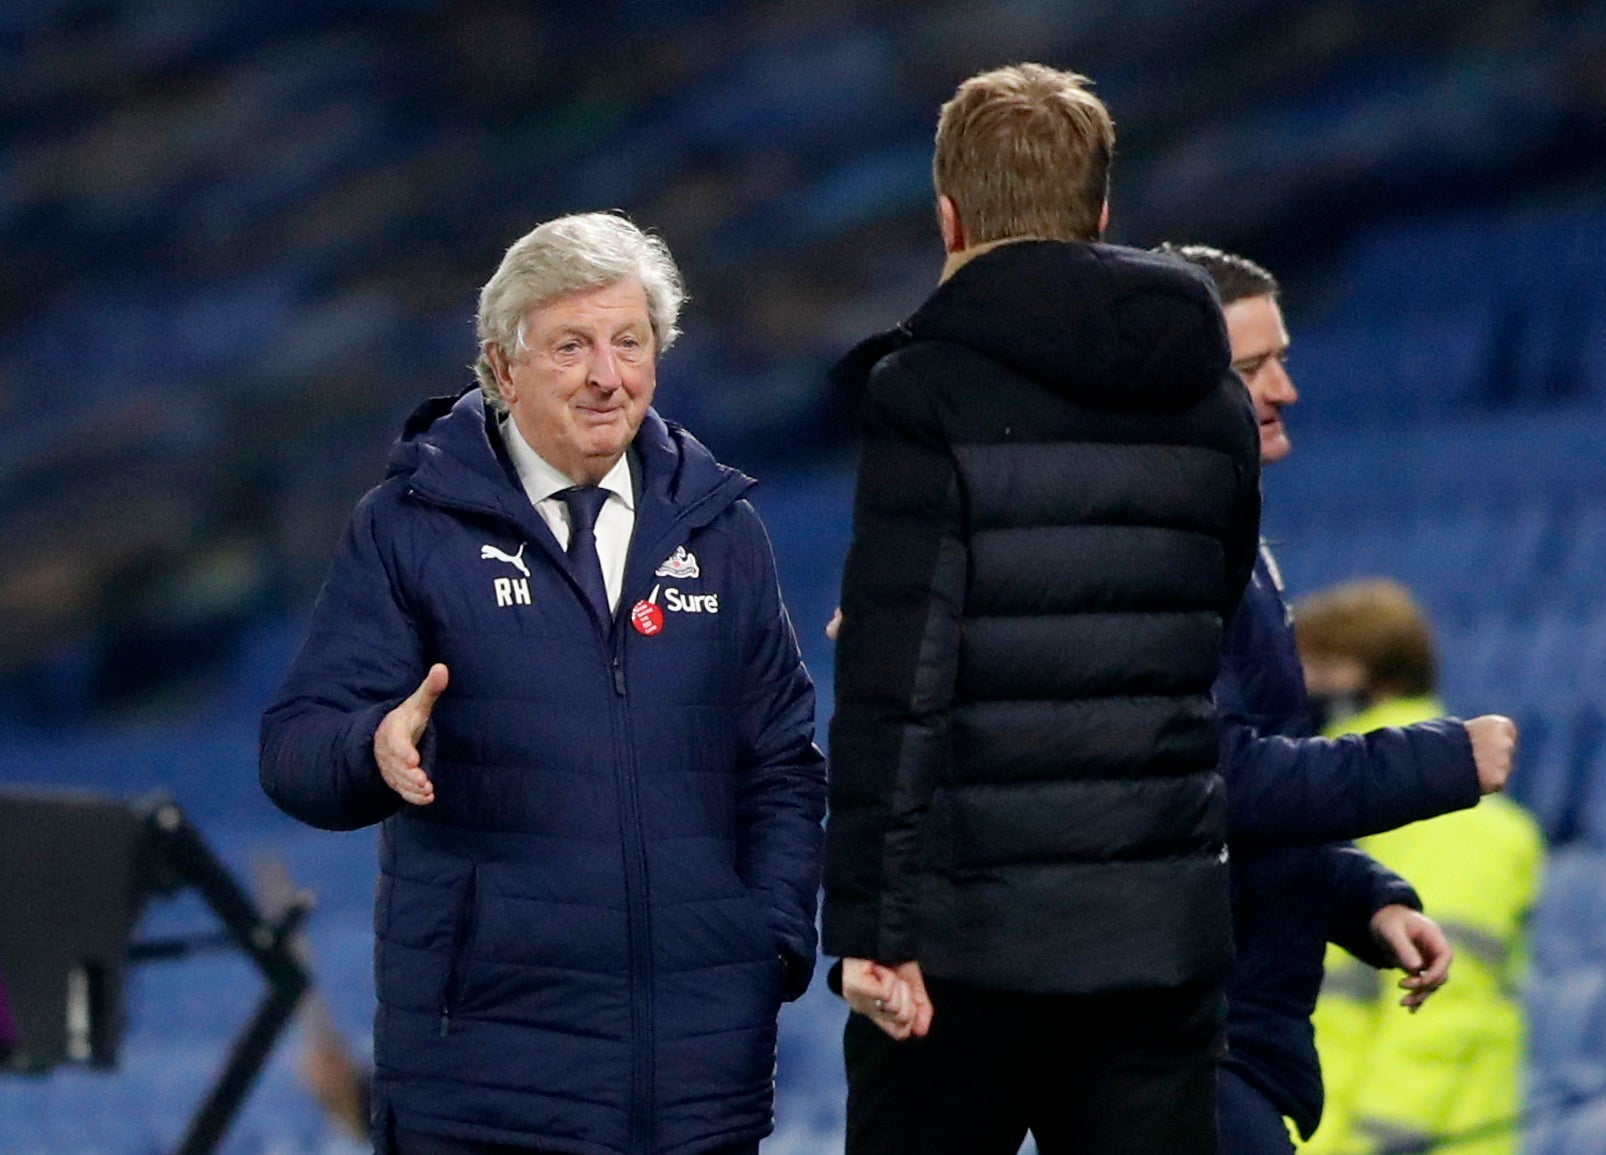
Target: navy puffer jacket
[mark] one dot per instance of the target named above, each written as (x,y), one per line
(583,943)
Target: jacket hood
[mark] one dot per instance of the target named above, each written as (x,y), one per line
(1104,325)
(449,449)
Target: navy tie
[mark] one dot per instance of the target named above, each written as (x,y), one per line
(585,502)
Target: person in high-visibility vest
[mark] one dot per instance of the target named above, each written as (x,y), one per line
(1398,1082)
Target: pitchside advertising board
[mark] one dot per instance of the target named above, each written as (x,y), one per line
(71,889)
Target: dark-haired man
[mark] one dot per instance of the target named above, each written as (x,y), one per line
(1286,788)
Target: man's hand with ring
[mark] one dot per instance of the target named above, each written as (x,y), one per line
(893,998)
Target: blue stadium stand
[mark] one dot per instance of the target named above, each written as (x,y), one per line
(1452,361)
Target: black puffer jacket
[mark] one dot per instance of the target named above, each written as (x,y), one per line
(1057,509)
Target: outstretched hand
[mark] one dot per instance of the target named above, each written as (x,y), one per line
(893,998)
(1417,946)
(396,740)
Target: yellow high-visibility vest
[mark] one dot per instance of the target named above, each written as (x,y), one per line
(1455,1066)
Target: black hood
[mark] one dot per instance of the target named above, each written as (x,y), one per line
(1106,326)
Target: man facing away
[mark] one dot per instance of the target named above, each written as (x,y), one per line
(1290,793)
(1056,511)
(601,803)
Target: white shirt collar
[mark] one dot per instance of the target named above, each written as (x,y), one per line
(541,479)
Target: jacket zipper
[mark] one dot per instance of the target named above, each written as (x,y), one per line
(462,943)
(634,845)
(635,851)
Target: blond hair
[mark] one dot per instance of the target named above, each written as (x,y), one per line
(1024,152)
(1378,624)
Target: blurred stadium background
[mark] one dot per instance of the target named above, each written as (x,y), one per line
(241,240)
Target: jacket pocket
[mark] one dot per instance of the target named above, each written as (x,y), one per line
(463,933)
(758,921)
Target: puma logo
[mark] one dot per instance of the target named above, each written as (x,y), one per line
(491,553)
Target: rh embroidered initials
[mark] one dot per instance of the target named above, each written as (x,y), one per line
(512,591)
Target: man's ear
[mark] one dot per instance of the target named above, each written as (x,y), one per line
(499,370)
(954,239)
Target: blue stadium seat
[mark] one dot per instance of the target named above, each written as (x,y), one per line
(1569,925)
(1436,262)
(1567,1015)
(1589,671)
(1543,674)
(1563,1126)
(1464,649)
(1543,781)
(1594,351)
(1582,567)
(1592,798)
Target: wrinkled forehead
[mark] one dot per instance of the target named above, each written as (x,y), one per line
(611,307)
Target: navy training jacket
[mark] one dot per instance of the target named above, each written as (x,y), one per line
(1288,792)
(583,943)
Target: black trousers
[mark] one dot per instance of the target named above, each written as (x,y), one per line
(1250,1124)
(1115,1074)
(417,1143)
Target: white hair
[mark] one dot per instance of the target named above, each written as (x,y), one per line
(568,255)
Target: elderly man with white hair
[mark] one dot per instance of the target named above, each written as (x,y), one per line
(551,658)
